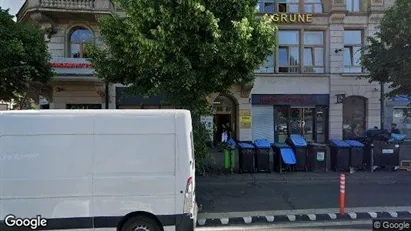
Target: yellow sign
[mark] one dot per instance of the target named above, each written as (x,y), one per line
(245,119)
(292,18)
(245,112)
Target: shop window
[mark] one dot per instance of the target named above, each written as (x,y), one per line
(79,38)
(290,6)
(314,51)
(354,117)
(353,5)
(352,51)
(288,51)
(402,117)
(83,106)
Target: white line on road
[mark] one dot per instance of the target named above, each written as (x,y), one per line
(269,218)
(393,214)
(288,225)
(302,211)
(201,221)
(248,220)
(224,221)
(353,215)
(291,217)
(312,217)
(373,214)
(332,216)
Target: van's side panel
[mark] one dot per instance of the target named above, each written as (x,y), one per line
(133,166)
(45,165)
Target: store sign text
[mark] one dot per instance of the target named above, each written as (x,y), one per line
(292,18)
(281,100)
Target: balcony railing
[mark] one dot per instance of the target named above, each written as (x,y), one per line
(68,4)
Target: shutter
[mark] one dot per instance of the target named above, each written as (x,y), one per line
(263,122)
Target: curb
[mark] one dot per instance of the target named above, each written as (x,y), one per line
(253,220)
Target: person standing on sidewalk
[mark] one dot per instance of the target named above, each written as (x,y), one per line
(394,129)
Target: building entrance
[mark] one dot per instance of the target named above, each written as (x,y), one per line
(308,121)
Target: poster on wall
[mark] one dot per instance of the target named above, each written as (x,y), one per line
(245,118)
(208,122)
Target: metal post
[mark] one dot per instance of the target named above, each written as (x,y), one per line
(107,95)
(382,105)
(342,194)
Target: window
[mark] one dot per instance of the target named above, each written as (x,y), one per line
(268,65)
(402,117)
(354,115)
(290,6)
(78,40)
(288,51)
(353,5)
(352,51)
(313,6)
(314,51)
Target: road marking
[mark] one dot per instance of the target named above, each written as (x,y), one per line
(332,216)
(393,214)
(247,220)
(312,217)
(224,221)
(291,217)
(353,215)
(373,214)
(201,221)
(302,211)
(269,218)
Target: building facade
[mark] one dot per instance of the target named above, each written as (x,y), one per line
(310,84)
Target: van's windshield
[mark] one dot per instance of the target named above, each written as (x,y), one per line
(192,145)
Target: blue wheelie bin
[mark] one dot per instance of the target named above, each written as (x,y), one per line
(356,154)
(340,155)
(246,157)
(300,146)
(262,155)
(284,157)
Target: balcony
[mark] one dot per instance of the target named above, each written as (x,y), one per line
(67,9)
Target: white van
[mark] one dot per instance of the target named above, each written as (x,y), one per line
(125,170)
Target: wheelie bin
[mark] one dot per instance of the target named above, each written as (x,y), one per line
(317,157)
(229,154)
(299,145)
(356,154)
(284,157)
(262,155)
(246,157)
(386,154)
(340,155)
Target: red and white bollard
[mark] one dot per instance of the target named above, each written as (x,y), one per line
(342,193)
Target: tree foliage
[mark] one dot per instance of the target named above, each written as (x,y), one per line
(185,49)
(24,57)
(387,55)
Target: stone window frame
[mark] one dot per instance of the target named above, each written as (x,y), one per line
(301,6)
(69,32)
(301,46)
(351,47)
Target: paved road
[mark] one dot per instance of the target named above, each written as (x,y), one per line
(268,192)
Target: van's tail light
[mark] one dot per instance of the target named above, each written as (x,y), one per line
(188,196)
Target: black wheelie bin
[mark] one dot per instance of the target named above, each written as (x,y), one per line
(262,155)
(317,157)
(246,157)
(356,154)
(386,154)
(284,157)
(340,155)
(299,145)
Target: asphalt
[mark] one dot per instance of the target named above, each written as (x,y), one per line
(290,191)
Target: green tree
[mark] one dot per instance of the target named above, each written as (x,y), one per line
(24,59)
(185,49)
(387,55)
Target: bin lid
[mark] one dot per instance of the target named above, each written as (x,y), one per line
(288,156)
(231,142)
(298,140)
(246,145)
(355,143)
(262,143)
(339,143)
(281,145)
(317,145)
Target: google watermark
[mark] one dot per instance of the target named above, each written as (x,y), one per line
(32,223)
(391,224)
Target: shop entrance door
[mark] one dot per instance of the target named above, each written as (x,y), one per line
(310,122)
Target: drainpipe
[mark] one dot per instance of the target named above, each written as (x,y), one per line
(107,95)
(382,104)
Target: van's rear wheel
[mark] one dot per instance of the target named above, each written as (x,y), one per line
(141,223)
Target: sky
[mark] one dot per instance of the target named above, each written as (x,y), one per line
(13,5)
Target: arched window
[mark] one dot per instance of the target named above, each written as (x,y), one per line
(354,117)
(78,40)
(290,6)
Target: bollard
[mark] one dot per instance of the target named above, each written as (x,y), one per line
(342,193)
